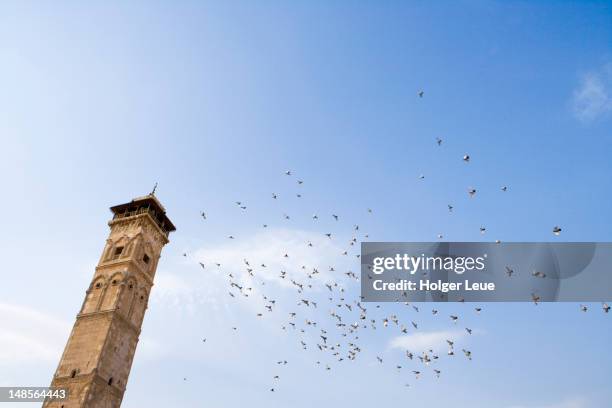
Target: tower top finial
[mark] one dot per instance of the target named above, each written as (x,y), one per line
(154,188)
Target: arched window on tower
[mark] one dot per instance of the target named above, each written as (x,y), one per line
(112,292)
(93,296)
(117,249)
(149,259)
(139,306)
(126,296)
(133,247)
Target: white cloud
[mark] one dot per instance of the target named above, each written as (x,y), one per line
(150,349)
(568,403)
(29,335)
(193,286)
(174,290)
(270,246)
(593,97)
(426,340)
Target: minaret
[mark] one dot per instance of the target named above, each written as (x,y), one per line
(97,359)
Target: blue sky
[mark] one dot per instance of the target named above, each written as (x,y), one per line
(215,101)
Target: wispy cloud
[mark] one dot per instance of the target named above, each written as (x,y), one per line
(270,247)
(150,349)
(21,340)
(592,99)
(184,292)
(195,286)
(426,340)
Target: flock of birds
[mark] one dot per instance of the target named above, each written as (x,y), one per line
(335,333)
(328,315)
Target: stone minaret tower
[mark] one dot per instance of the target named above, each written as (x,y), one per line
(98,356)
